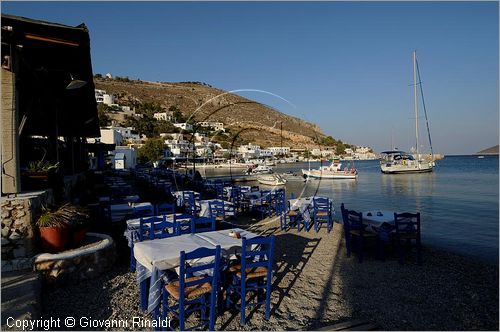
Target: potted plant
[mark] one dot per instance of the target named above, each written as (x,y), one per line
(40,169)
(78,219)
(54,230)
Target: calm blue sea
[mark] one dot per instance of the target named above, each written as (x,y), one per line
(458,202)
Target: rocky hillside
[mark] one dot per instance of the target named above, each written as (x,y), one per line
(253,121)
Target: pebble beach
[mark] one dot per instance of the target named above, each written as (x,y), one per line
(315,286)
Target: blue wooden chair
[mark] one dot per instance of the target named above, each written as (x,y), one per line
(189,201)
(236,196)
(194,293)
(164,229)
(408,229)
(146,227)
(354,229)
(254,189)
(322,213)
(290,218)
(202,224)
(219,190)
(184,222)
(253,274)
(164,208)
(279,201)
(264,203)
(216,209)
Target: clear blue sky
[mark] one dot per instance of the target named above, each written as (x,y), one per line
(344,65)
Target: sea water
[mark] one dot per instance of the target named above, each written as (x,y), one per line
(458,202)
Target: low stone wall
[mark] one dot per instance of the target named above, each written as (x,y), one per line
(72,266)
(19,231)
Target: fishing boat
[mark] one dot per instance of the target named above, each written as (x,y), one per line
(333,171)
(271,180)
(400,162)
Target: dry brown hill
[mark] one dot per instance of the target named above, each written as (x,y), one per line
(254,121)
(492,150)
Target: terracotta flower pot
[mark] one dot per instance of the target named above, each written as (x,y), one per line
(54,239)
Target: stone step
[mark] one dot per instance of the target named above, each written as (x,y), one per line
(21,297)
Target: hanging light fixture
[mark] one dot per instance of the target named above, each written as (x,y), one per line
(75,84)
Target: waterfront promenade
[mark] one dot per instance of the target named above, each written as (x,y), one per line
(316,285)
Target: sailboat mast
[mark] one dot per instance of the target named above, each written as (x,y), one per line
(416,101)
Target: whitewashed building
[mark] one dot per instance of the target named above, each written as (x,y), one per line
(184,126)
(280,150)
(216,126)
(164,116)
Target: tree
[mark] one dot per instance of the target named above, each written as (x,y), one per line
(152,150)
(328,141)
(340,147)
(104,119)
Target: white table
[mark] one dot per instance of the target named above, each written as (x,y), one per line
(379,221)
(153,256)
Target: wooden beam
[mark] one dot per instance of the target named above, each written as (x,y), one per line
(50,40)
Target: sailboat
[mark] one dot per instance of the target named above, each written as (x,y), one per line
(400,162)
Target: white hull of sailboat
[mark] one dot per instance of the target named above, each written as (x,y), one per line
(410,167)
(329,175)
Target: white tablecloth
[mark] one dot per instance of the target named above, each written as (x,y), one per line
(205,208)
(379,221)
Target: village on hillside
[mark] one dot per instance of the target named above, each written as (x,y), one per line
(185,140)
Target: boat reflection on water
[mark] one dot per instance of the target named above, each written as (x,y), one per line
(416,185)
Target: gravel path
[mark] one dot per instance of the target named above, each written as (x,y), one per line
(316,285)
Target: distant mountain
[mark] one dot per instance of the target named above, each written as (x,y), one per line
(492,150)
(253,121)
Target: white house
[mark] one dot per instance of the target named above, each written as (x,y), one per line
(278,150)
(108,99)
(116,135)
(111,136)
(217,126)
(184,126)
(179,147)
(99,95)
(128,155)
(164,116)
